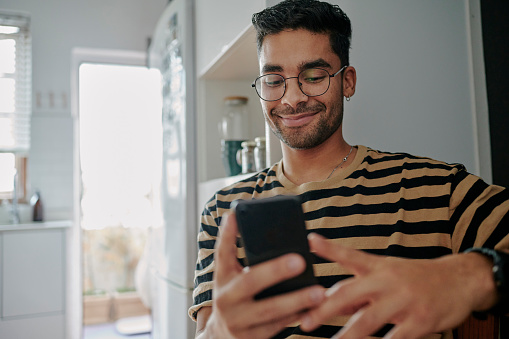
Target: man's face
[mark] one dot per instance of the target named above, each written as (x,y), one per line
(300,121)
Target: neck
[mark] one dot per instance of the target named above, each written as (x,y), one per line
(318,163)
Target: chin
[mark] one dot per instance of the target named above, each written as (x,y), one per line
(302,142)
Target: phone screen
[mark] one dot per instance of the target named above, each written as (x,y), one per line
(272,227)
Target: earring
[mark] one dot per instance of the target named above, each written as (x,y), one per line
(347,98)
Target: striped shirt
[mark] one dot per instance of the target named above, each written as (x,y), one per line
(391,204)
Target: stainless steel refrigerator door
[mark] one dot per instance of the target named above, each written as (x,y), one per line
(172,53)
(169,310)
(174,243)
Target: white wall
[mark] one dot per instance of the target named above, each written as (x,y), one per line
(414,72)
(57,27)
(415,80)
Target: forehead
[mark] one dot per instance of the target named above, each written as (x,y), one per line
(289,50)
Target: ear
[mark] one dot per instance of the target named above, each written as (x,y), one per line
(349,81)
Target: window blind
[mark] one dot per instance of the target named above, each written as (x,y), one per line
(15,82)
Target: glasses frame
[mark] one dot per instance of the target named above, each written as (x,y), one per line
(300,84)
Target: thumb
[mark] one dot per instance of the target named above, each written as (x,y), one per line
(225,255)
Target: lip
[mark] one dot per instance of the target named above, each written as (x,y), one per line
(297,119)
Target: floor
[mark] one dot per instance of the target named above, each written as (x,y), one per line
(133,328)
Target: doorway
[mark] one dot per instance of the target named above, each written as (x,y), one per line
(119,146)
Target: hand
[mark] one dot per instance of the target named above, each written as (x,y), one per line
(235,313)
(419,297)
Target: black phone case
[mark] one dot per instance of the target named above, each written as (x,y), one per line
(272,227)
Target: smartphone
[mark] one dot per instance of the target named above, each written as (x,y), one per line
(272,227)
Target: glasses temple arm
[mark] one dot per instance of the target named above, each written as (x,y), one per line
(340,70)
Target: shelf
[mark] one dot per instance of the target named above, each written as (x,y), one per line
(237,61)
(207,189)
(31,226)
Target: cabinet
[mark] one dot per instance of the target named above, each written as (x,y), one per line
(227,64)
(32,283)
(218,24)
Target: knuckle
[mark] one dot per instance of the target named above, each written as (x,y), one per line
(286,266)
(249,281)
(270,312)
(368,320)
(341,289)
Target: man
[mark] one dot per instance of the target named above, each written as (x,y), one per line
(380,212)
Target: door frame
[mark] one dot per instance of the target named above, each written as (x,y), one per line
(74,275)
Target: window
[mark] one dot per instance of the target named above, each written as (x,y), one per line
(15,101)
(13,168)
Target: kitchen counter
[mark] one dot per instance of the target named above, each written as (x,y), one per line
(36,225)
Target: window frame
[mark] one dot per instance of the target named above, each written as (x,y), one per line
(18,120)
(21,166)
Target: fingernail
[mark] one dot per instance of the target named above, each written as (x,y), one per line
(306,322)
(313,235)
(294,263)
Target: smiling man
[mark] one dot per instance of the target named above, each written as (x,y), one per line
(305,110)
(393,234)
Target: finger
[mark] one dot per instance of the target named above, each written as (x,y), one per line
(225,255)
(409,329)
(285,305)
(344,298)
(263,275)
(371,318)
(268,310)
(257,278)
(269,330)
(357,261)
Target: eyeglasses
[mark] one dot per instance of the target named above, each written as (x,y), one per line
(312,82)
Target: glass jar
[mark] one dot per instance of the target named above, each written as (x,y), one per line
(248,158)
(233,125)
(260,154)
(233,130)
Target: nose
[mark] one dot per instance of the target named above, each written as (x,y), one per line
(293,94)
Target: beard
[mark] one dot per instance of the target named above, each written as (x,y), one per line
(307,136)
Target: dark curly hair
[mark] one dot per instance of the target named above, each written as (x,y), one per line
(312,15)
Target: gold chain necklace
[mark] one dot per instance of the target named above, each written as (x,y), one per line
(341,163)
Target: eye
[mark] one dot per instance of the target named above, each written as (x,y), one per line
(272,80)
(313,76)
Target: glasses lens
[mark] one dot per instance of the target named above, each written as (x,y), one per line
(270,87)
(314,81)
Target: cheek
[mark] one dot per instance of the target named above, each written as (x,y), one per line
(267,107)
(333,98)
(335,89)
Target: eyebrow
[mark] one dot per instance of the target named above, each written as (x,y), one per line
(271,69)
(315,63)
(321,63)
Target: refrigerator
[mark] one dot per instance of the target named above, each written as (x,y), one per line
(172,244)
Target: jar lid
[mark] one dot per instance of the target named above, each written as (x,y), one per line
(236,100)
(260,140)
(248,144)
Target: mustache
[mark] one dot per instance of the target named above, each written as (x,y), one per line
(301,108)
